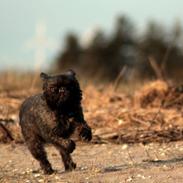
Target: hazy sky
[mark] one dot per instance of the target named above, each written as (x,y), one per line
(18,20)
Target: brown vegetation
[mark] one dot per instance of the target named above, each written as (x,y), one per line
(151,113)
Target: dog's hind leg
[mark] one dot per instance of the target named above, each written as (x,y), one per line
(37,150)
(67,159)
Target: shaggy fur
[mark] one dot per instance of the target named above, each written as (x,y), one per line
(52,117)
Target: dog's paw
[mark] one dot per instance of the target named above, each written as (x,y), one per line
(86,133)
(70,146)
(71,166)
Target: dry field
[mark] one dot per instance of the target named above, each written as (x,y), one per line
(133,132)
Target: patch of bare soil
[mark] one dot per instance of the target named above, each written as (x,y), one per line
(97,163)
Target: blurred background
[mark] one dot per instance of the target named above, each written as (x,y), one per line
(100,40)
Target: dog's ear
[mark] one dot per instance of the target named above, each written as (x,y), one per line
(71,73)
(44,76)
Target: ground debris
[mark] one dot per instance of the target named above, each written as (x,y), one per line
(153,114)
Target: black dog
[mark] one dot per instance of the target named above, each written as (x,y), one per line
(52,117)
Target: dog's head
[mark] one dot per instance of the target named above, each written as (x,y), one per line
(61,89)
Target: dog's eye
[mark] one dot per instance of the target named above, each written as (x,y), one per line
(52,89)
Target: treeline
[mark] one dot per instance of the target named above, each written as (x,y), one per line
(157,52)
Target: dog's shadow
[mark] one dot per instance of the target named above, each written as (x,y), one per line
(115,168)
(144,164)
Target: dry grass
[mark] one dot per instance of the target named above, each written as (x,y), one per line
(124,115)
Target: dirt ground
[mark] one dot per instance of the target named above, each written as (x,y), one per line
(152,163)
